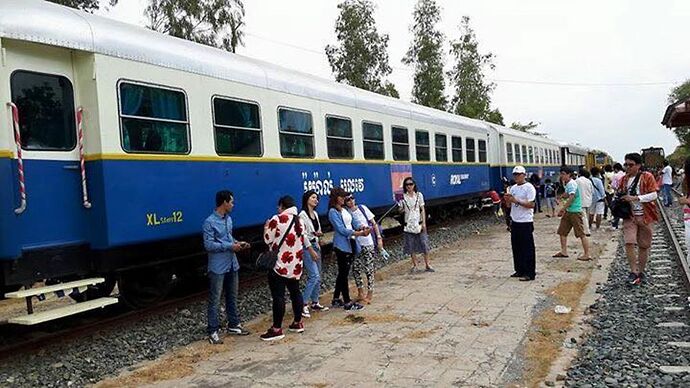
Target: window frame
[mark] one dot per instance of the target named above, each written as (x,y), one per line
(352,139)
(453,149)
(428,146)
(74,109)
(479,152)
(382,141)
(158,86)
(518,154)
(509,152)
(214,125)
(436,147)
(393,143)
(280,132)
(474,149)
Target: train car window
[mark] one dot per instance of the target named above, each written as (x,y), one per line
(509,152)
(373,141)
(524,154)
(46,111)
(481,145)
(469,150)
(237,127)
(441,145)
(339,137)
(401,143)
(518,156)
(422,145)
(456,148)
(530,154)
(154,119)
(296,133)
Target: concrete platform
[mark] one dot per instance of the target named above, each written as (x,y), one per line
(462,325)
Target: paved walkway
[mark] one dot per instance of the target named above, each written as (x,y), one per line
(459,326)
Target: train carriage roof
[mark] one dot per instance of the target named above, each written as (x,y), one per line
(523,135)
(56,25)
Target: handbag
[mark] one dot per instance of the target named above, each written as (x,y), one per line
(267,260)
(620,208)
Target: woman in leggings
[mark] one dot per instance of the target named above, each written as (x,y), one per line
(343,232)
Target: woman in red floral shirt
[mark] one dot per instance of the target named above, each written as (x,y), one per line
(288,268)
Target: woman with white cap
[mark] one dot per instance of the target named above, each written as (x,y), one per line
(521,199)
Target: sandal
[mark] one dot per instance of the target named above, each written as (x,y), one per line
(560,254)
(582,258)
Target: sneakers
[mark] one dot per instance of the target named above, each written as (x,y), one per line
(214,338)
(318,307)
(515,275)
(305,312)
(631,277)
(296,327)
(353,306)
(634,279)
(337,303)
(525,278)
(272,334)
(237,330)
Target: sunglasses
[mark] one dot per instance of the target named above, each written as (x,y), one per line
(409,184)
(349,198)
(518,173)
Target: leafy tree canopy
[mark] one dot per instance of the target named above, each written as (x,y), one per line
(217,23)
(472,93)
(426,55)
(360,58)
(524,127)
(84,5)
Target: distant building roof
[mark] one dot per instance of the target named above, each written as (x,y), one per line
(677,114)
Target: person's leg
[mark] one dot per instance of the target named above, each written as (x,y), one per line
(520,250)
(295,298)
(316,291)
(424,237)
(644,242)
(311,270)
(564,245)
(231,288)
(630,237)
(369,255)
(667,195)
(585,247)
(564,229)
(342,272)
(357,272)
(215,289)
(585,221)
(345,266)
(530,258)
(515,246)
(276,283)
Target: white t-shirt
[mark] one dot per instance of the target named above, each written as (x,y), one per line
(365,241)
(524,192)
(347,218)
(668,175)
(412,206)
(586,189)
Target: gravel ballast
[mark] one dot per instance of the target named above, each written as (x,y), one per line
(90,359)
(629,342)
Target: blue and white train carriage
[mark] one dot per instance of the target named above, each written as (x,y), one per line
(164,123)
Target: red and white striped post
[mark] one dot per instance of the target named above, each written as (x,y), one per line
(20,161)
(84,192)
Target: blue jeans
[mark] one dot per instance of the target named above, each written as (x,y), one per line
(667,195)
(229,282)
(312,290)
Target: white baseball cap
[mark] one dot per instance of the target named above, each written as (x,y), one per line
(519,170)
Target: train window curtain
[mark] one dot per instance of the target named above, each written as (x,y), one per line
(154,120)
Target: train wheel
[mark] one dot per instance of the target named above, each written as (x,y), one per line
(145,287)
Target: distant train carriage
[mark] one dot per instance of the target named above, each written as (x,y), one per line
(653,158)
(573,156)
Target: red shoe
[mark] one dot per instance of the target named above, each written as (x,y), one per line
(296,327)
(272,334)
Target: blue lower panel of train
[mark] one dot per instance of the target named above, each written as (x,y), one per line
(138,201)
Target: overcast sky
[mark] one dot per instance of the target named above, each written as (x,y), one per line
(593,72)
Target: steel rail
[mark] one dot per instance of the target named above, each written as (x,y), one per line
(680,254)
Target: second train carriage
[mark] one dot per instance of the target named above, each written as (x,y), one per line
(164,123)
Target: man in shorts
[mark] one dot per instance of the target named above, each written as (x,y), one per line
(637,230)
(596,210)
(571,216)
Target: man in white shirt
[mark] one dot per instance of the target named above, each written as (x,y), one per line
(618,175)
(586,189)
(521,199)
(667,180)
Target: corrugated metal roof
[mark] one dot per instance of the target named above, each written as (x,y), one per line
(56,25)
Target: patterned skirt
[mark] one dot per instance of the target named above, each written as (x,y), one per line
(416,243)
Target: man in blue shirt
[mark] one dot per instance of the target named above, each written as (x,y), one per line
(223,266)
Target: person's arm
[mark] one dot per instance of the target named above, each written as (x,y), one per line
(308,235)
(211,244)
(269,230)
(338,225)
(372,219)
(526,203)
(566,204)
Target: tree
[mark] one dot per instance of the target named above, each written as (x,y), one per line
(361,57)
(494,116)
(426,54)
(472,96)
(84,5)
(217,23)
(524,127)
(678,93)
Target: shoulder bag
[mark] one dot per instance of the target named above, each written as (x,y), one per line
(267,260)
(620,208)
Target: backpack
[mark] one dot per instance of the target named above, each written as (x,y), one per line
(550,190)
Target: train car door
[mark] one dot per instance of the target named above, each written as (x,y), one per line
(50,227)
